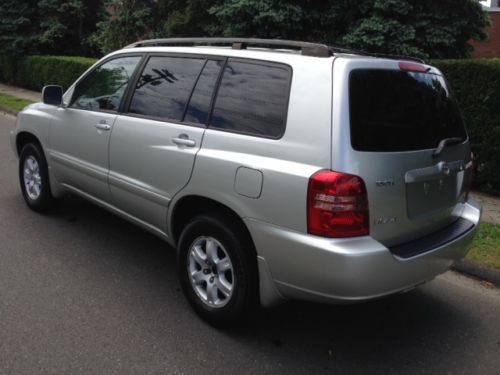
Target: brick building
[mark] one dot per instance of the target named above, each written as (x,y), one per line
(490,47)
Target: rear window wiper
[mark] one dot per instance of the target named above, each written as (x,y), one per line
(446,142)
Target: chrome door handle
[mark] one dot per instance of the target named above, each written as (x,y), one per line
(103,126)
(183,140)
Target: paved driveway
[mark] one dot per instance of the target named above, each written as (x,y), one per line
(84,292)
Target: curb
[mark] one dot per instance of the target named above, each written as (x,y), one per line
(477,271)
(9,111)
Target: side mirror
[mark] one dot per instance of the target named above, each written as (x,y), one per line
(52,95)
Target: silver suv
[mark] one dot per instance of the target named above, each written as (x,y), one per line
(279,170)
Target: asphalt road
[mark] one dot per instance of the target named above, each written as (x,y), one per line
(84,292)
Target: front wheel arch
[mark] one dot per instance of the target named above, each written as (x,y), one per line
(23,138)
(35,181)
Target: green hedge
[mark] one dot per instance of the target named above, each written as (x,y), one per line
(8,68)
(476,84)
(34,72)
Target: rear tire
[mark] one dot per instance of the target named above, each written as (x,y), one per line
(34,178)
(217,269)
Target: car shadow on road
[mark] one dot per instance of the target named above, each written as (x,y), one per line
(425,327)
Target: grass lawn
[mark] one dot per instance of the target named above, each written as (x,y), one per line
(11,102)
(486,246)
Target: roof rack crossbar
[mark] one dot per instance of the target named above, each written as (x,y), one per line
(306,48)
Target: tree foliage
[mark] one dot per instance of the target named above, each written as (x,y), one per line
(127,21)
(424,28)
(47,26)
(262,18)
(17,30)
(186,18)
(66,25)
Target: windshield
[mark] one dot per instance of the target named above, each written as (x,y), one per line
(392,110)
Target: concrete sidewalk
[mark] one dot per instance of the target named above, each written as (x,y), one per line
(491,207)
(491,204)
(20,92)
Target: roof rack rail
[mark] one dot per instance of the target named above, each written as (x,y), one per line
(335,49)
(306,48)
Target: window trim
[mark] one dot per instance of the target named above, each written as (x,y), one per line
(260,63)
(125,110)
(212,97)
(161,119)
(186,106)
(99,64)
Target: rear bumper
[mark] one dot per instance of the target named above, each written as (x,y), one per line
(300,266)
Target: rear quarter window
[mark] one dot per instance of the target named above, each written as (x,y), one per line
(252,98)
(392,110)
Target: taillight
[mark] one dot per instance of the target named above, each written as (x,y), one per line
(337,205)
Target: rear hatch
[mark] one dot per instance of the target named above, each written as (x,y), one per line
(392,119)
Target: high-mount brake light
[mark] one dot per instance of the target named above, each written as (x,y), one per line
(412,67)
(337,205)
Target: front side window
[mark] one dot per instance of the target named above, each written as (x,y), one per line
(165,86)
(103,89)
(252,98)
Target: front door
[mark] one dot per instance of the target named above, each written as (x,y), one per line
(80,132)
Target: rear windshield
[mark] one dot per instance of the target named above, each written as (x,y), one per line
(393,110)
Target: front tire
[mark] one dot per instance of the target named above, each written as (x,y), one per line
(34,178)
(217,269)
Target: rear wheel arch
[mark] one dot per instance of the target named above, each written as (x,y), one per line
(190,206)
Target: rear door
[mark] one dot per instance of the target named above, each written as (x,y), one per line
(154,144)
(394,116)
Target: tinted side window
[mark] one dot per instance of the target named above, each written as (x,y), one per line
(164,87)
(103,88)
(199,105)
(252,98)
